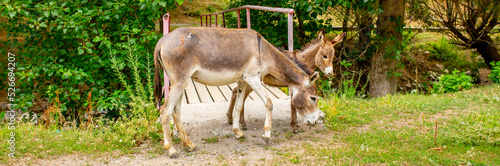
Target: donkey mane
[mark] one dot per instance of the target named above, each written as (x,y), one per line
(295,61)
(301,65)
(308,46)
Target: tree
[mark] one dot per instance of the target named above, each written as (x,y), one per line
(384,62)
(470,23)
(364,13)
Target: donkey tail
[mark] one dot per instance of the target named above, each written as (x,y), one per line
(157,79)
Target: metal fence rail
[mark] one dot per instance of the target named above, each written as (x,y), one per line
(288,11)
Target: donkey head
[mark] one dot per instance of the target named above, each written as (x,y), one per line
(326,53)
(305,100)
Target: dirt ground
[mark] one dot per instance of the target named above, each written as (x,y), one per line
(204,121)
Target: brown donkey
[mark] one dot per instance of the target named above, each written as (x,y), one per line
(218,56)
(317,54)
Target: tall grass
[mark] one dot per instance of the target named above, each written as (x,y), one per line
(136,124)
(140,120)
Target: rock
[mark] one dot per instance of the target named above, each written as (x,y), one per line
(440,66)
(34,119)
(18,116)
(3,105)
(483,76)
(426,53)
(408,85)
(39,106)
(221,133)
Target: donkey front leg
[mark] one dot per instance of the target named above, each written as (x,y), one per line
(257,86)
(240,95)
(166,112)
(180,127)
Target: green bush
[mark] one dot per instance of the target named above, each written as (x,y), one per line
(451,55)
(495,72)
(210,8)
(453,82)
(442,50)
(65,44)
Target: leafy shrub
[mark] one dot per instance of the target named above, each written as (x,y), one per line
(453,82)
(442,50)
(64,47)
(194,13)
(495,72)
(210,8)
(449,55)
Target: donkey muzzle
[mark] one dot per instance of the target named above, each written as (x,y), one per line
(312,118)
(329,71)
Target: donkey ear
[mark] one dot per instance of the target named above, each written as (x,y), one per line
(313,78)
(339,38)
(321,36)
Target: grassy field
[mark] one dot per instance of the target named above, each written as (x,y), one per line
(450,129)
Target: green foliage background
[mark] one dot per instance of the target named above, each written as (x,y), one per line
(273,25)
(67,46)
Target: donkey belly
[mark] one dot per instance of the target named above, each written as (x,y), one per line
(216,78)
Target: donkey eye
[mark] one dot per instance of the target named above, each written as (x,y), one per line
(314,98)
(324,56)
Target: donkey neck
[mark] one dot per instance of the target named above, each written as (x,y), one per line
(286,70)
(307,56)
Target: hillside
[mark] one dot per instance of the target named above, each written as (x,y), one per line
(188,14)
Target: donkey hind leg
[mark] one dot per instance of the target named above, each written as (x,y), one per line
(180,127)
(229,113)
(293,119)
(237,109)
(166,112)
(242,115)
(256,85)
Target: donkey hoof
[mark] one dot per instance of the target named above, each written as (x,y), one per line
(230,121)
(266,139)
(173,153)
(244,127)
(238,133)
(191,147)
(295,129)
